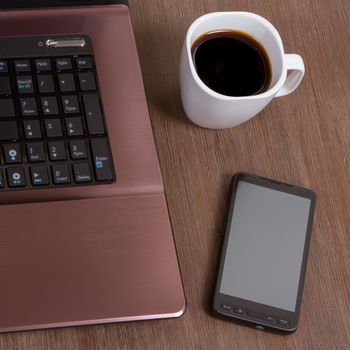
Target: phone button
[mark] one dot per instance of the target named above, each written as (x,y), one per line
(271,319)
(283,322)
(240,310)
(262,316)
(227,307)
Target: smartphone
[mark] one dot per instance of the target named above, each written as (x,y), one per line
(264,253)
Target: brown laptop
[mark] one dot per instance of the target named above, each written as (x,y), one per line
(85,236)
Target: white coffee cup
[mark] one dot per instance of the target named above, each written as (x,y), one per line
(209,109)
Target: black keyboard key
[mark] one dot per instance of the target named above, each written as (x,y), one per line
(32,129)
(7,108)
(74,126)
(2,180)
(57,150)
(3,67)
(12,153)
(78,149)
(101,160)
(70,104)
(53,127)
(39,175)
(43,64)
(8,130)
(28,107)
(83,114)
(82,172)
(66,82)
(49,105)
(84,63)
(63,63)
(22,66)
(5,88)
(93,114)
(35,152)
(45,83)
(25,84)
(16,177)
(60,174)
(87,81)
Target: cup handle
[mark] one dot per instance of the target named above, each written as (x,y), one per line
(294,63)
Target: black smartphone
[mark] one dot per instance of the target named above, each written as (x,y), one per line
(264,253)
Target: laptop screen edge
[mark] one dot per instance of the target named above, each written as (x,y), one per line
(13,4)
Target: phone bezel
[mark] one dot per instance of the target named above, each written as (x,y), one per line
(219,298)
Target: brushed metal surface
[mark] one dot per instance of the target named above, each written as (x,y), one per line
(118,265)
(108,256)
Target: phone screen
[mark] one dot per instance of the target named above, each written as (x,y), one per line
(265,247)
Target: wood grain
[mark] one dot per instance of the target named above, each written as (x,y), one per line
(303,138)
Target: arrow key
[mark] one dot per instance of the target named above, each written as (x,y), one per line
(39,175)
(49,105)
(32,129)
(74,126)
(57,150)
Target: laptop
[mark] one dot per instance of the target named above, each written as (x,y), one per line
(85,236)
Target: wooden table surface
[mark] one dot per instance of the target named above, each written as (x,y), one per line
(303,138)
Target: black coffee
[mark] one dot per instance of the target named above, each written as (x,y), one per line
(232,63)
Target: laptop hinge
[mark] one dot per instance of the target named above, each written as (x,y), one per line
(12,4)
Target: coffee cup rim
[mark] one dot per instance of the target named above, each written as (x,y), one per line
(271,91)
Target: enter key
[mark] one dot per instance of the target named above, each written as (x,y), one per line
(102,161)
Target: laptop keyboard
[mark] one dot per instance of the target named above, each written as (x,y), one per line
(52,126)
